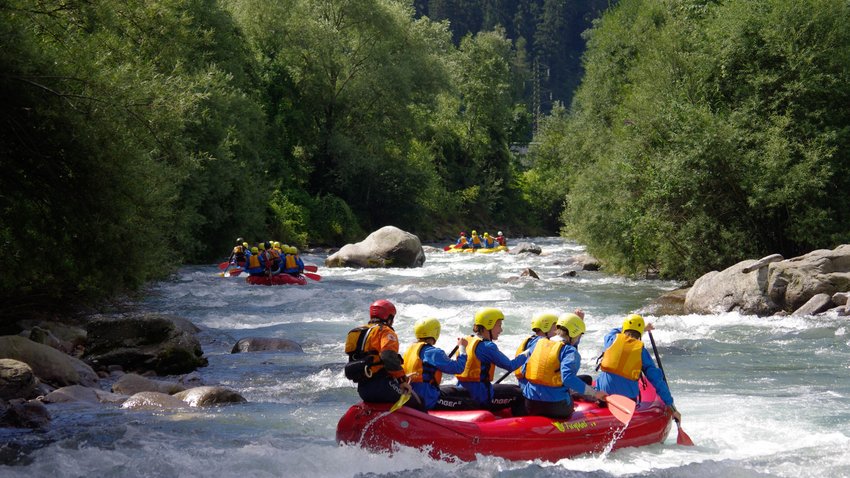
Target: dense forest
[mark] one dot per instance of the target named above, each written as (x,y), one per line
(138,135)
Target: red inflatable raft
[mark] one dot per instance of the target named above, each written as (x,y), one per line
(445,434)
(279,279)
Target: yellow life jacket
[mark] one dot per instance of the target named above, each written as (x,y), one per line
(413,365)
(476,240)
(519,350)
(472,372)
(544,365)
(623,357)
(254,261)
(290,263)
(462,241)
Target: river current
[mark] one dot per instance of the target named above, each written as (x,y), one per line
(759,396)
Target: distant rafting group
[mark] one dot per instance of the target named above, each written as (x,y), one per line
(268,263)
(476,243)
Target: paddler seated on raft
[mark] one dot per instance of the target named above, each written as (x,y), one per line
(489,242)
(552,371)
(475,389)
(500,239)
(373,359)
(255,264)
(425,364)
(274,256)
(625,358)
(292,264)
(237,256)
(542,325)
(475,241)
(462,241)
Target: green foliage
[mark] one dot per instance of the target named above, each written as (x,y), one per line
(705,133)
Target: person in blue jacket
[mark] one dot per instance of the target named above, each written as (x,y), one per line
(542,325)
(255,263)
(489,242)
(425,364)
(475,388)
(552,371)
(625,358)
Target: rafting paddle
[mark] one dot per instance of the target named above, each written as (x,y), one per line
(400,403)
(310,275)
(223,265)
(621,407)
(682,438)
(310,268)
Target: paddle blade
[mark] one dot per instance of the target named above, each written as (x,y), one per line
(682,438)
(234,272)
(447,248)
(621,407)
(311,268)
(315,277)
(400,403)
(223,266)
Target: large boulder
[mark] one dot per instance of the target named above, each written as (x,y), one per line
(164,344)
(208,396)
(131,384)
(731,289)
(81,394)
(48,364)
(16,380)
(389,246)
(153,401)
(525,248)
(266,344)
(791,283)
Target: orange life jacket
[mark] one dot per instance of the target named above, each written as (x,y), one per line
(473,371)
(544,365)
(623,357)
(414,365)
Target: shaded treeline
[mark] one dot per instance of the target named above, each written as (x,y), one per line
(137,135)
(547,35)
(704,133)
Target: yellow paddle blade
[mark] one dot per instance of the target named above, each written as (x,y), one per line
(559,426)
(401,401)
(621,407)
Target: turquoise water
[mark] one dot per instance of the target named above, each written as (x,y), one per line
(759,396)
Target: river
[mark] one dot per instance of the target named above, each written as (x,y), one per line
(759,396)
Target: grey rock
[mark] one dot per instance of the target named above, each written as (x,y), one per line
(208,396)
(731,289)
(153,401)
(525,247)
(794,281)
(817,304)
(670,303)
(265,344)
(48,364)
(17,380)
(24,414)
(840,298)
(389,246)
(131,384)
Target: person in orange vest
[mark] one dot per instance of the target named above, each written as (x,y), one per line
(489,242)
(237,257)
(425,364)
(373,359)
(542,325)
(552,371)
(475,241)
(475,389)
(462,241)
(625,359)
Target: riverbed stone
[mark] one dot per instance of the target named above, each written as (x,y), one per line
(21,413)
(160,343)
(48,364)
(669,303)
(17,380)
(840,298)
(525,248)
(389,246)
(153,401)
(794,281)
(131,384)
(209,395)
(817,304)
(266,344)
(731,290)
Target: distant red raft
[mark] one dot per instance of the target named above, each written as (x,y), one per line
(279,279)
(446,434)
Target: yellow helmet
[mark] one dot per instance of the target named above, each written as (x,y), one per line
(634,322)
(429,327)
(572,323)
(487,317)
(486,234)
(475,232)
(245,245)
(261,246)
(254,250)
(276,245)
(543,321)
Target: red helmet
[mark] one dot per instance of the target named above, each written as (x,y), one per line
(382,309)
(462,233)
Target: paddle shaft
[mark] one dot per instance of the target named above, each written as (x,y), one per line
(682,438)
(657,357)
